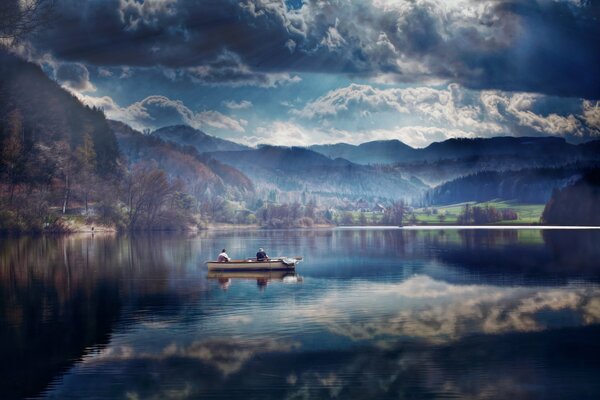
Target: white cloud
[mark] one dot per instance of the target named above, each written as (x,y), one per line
(287,133)
(518,106)
(104,72)
(148,12)
(280,133)
(218,120)
(72,76)
(443,108)
(228,69)
(239,105)
(333,39)
(486,113)
(157,111)
(591,115)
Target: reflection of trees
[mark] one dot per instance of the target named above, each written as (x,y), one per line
(61,295)
(545,253)
(575,250)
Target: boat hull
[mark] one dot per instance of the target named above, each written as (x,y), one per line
(250,265)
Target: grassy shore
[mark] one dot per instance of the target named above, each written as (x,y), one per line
(529,214)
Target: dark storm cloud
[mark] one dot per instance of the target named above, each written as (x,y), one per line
(75,76)
(540,46)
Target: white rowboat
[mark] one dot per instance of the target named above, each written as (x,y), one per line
(273,264)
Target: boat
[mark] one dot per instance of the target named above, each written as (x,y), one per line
(272,264)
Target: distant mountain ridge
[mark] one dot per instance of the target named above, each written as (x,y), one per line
(375,152)
(180,162)
(185,135)
(299,169)
(394,151)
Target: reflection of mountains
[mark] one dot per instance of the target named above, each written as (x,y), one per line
(59,296)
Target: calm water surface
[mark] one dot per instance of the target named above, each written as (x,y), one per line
(369,314)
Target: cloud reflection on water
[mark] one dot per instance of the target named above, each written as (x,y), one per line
(436,311)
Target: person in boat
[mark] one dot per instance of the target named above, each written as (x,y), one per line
(223,257)
(261,255)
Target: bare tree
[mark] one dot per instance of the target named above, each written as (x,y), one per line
(12,150)
(19,18)
(394,214)
(85,158)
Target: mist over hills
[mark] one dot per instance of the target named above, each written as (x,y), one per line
(375,152)
(301,169)
(456,168)
(395,152)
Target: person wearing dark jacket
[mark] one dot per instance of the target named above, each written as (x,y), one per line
(261,255)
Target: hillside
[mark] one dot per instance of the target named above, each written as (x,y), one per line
(49,116)
(533,185)
(187,136)
(183,163)
(376,152)
(394,151)
(576,204)
(444,161)
(299,169)
(64,165)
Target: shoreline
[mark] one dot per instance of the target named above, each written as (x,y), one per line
(104,230)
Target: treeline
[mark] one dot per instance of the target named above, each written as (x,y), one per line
(533,185)
(271,215)
(477,215)
(577,204)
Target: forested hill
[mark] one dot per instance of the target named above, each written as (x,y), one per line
(576,204)
(198,172)
(187,136)
(49,121)
(533,185)
(299,169)
(63,164)
(375,152)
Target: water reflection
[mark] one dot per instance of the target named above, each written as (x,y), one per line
(262,278)
(379,314)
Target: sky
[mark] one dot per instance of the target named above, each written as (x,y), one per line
(302,72)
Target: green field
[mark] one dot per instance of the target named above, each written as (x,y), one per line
(528,213)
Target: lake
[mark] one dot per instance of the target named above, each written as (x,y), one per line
(369,313)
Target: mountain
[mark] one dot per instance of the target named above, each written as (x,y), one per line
(187,136)
(394,151)
(198,172)
(376,152)
(537,147)
(299,169)
(444,161)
